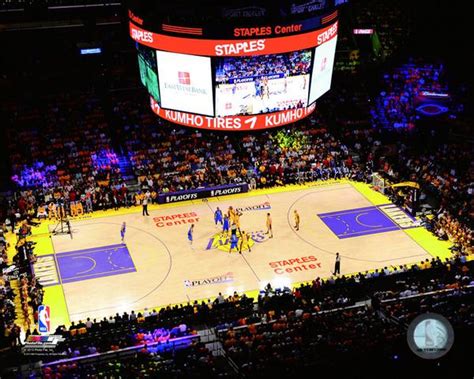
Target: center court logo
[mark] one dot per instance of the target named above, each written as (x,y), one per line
(221,241)
(430,336)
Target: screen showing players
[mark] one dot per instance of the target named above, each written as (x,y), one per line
(148,70)
(260,84)
(185,82)
(322,69)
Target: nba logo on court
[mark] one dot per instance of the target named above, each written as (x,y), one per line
(44,325)
(184,77)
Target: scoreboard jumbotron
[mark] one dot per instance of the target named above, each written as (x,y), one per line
(247,72)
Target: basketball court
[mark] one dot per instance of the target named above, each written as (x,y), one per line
(93,274)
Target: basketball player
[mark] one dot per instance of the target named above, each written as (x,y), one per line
(237,220)
(297,220)
(266,89)
(123,229)
(269,226)
(244,242)
(257,88)
(225,225)
(233,242)
(233,229)
(190,234)
(231,214)
(218,216)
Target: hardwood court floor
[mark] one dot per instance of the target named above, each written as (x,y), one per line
(157,266)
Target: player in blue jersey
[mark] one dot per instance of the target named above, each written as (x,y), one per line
(123,229)
(218,216)
(190,234)
(233,242)
(225,225)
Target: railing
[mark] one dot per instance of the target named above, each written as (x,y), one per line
(170,345)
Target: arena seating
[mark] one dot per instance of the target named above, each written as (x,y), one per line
(395,106)
(100,146)
(291,336)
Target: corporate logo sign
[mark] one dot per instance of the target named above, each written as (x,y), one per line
(184,85)
(308,7)
(244,12)
(202,193)
(323,64)
(323,67)
(192,55)
(185,82)
(258,207)
(226,191)
(184,78)
(225,278)
(183,197)
(44,316)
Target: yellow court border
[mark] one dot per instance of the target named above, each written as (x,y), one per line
(54,295)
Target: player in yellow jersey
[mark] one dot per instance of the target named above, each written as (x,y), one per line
(231,213)
(297,220)
(269,225)
(244,242)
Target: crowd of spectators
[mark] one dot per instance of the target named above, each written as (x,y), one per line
(195,361)
(66,142)
(396,104)
(150,326)
(173,159)
(167,158)
(315,327)
(289,64)
(64,156)
(342,341)
(9,331)
(444,173)
(16,274)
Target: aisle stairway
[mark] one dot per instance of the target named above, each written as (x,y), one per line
(126,169)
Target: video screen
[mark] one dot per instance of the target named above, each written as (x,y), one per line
(185,82)
(261,84)
(322,69)
(148,70)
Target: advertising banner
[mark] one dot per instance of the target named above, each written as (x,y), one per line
(233,47)
(201,193)
(185,82)
(322,69)
(235,123)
